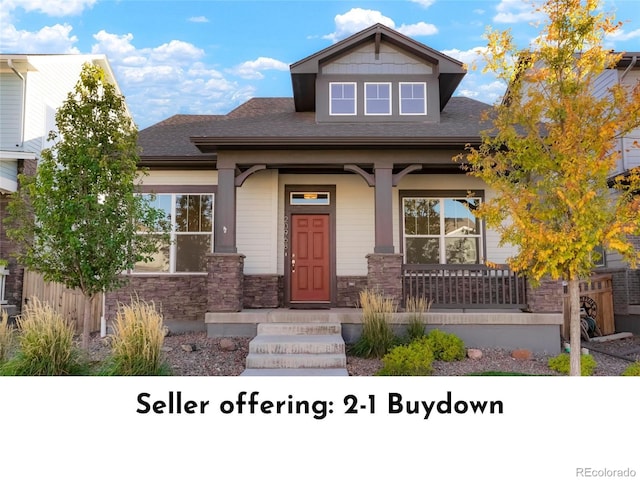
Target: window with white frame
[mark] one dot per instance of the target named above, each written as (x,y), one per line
(441,230)
(413,98)
(191,238)
(377,99)
(342,98)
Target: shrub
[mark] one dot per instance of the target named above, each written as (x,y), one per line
(45,344)
(417,307)
(414,359)
(136,348)
(377,335)
(446,346)
(632,370)
(560,364)
(6,337)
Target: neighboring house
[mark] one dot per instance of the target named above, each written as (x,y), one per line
(302,202)
(32,88)
(626,281)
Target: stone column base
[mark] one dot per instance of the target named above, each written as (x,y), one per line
(384,275)
(225,282)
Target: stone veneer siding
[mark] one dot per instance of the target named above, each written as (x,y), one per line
(225,282)
(548,297)
(180,298)
(384,275)
(263,291)
(349,288)
(15,279)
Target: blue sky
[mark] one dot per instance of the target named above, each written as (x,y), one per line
(208,56)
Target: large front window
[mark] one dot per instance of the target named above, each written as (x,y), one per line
(441,230)
(191,219)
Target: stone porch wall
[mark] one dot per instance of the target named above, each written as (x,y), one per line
(384,275)
(349,288)
(182,299)
(548,297)
(263,291)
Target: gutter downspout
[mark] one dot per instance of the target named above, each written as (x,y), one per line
(24,99)
(634,60)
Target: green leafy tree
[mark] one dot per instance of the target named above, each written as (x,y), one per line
(553,147)
(76,219)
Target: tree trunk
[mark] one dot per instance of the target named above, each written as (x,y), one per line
(86,321)
(574,327)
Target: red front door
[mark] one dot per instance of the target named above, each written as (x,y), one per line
(310,275)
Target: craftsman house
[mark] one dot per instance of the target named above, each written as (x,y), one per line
(302,202)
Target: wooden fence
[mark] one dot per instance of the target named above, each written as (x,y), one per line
(69,303)
(600,289)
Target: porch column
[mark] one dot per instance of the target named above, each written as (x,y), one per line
(225,282)
(384,209)
(225,211)
(384,275)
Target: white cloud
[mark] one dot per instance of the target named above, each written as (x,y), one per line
(200,19)
(53,39)
(253,69)
(622,36)
(53,8)
(424,3)
(470,57)
(418,29)
(516,11)
(355,20)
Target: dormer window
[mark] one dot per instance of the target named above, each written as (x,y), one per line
(413,98)
(377,99)
(343,98)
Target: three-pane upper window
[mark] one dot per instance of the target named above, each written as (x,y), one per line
(413,98)
(342,98)
(377,99)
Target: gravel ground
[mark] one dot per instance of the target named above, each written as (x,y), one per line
(193,354)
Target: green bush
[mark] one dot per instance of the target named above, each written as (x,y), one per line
(414,359)
(377,335)
(632,370)
(136,348)
(446,346)
(45,345)
(560,364)
(7,335)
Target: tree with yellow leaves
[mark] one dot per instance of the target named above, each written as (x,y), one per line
(553,148)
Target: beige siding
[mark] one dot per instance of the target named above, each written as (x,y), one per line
(181,177)
(11,91)
(257,222)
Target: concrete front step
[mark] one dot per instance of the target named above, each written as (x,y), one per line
(318,344)
(296,360)
(295,372)
(299,329)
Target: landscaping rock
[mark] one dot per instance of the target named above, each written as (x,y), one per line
(227,345)
(522,354)
(474,353)
(188,347)
(166,331)
(166,349)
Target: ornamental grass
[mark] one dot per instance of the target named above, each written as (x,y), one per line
(136,347)
(377,335)
(45,344)
(7,337)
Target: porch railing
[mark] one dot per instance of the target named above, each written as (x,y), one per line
(465,286)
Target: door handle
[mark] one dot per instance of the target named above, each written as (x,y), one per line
(293,265)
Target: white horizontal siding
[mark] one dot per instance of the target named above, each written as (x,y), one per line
(9,170)
(11,100)
(257,222)
(180,177)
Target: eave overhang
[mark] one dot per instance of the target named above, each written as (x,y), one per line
(203,162)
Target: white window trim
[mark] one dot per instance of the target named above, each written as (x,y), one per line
(400,98)
(442,236)
(355,99)
(173,233)
(390,99)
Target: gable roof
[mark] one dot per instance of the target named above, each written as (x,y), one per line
(304,72)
